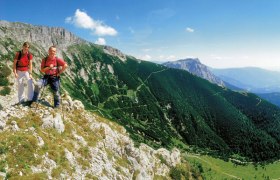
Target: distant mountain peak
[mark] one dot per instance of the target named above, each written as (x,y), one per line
(194,66)
(190,60)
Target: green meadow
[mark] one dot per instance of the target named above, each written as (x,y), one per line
(213,168)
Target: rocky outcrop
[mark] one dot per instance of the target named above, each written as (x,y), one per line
(82,145)
(114,52)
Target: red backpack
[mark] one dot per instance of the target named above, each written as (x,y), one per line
(19,56)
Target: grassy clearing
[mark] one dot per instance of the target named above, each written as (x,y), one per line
(212,168)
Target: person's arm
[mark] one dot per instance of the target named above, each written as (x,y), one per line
(30,65)
(63,69)
(15,66)
(44,69)
(30,69)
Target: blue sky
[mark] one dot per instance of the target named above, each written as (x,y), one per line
(221,33)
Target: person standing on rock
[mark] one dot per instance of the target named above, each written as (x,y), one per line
(52,67)
(22,69)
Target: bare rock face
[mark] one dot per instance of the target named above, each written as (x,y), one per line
(114,52)
(41,35)
(55,122)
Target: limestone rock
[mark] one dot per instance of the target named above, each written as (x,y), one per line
(115,52)
(43,35)
(78,105)
(53,122)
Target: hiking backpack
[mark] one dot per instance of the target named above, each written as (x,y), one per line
(19,56)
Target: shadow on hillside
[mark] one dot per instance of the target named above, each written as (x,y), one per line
(28,103)
(44,102)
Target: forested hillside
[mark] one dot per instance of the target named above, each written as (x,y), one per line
(163,107)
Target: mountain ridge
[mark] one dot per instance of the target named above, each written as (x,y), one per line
(46,36)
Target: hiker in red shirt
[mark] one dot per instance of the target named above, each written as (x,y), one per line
(52,67)
(22,69)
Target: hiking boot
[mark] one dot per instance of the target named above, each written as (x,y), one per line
(27,103)
(17,104)
(34,104)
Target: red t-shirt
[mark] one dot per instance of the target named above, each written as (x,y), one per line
(57,62)
(23,63)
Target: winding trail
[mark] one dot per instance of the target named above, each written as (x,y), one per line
(137,89)
(143,83)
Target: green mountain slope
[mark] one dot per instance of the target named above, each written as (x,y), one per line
(159,105)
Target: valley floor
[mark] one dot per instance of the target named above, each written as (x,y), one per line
(212,168)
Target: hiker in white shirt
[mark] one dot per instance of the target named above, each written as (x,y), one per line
(22,69)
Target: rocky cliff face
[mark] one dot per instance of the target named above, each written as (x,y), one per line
(41,35)
(45,37)
(114,52)
(13,34)
(195,67)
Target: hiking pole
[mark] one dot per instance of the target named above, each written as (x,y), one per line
(15,88)
(61,99)
(43,90)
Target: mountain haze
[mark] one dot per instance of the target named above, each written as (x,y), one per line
(157,105)
(271,97)
(252,79)
(263,82)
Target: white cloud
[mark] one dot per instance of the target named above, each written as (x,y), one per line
(162,57)
(100,41)
(171,57)
(190,30)
(103,30)
(68,20)
(167,58)
(145,57)
(83,20)
(159,58)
